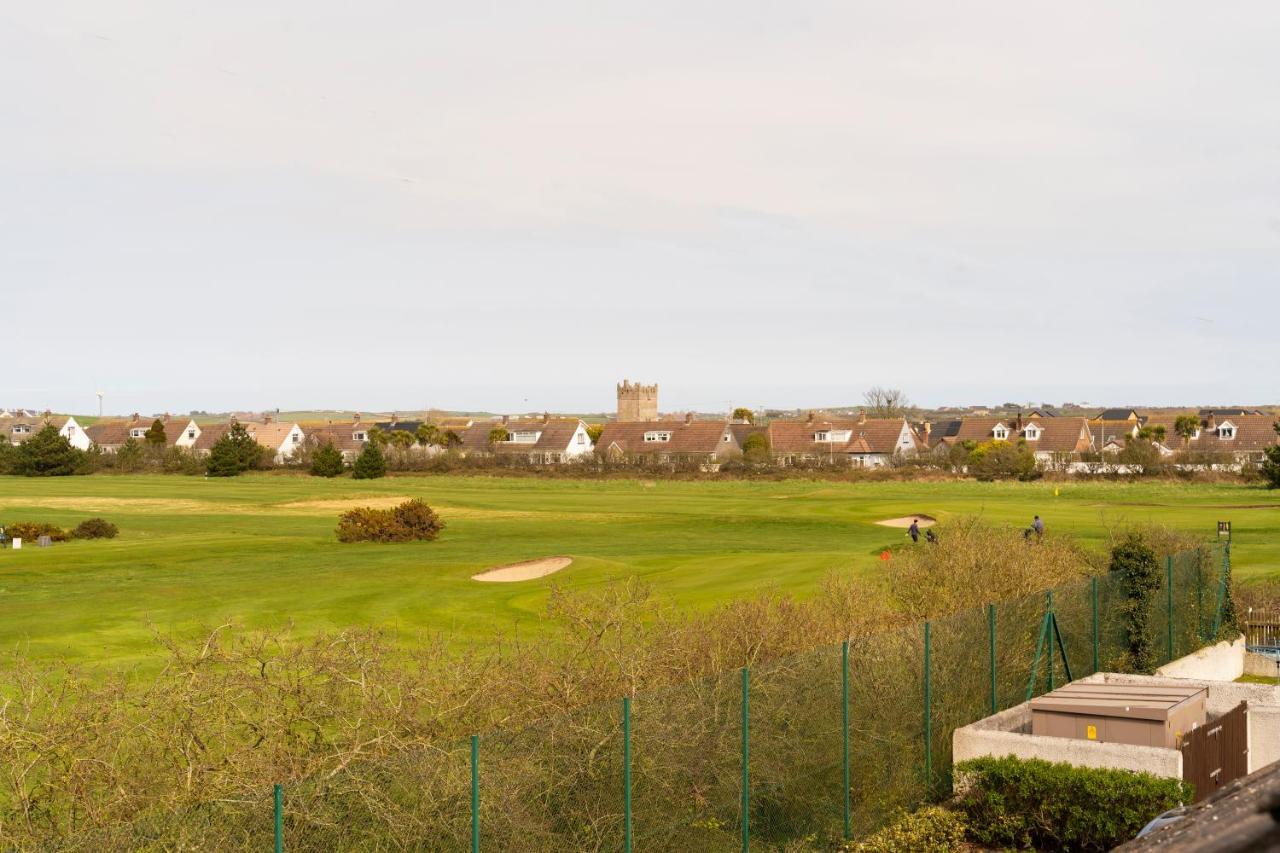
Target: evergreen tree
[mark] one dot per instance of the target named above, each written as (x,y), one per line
(155,434)
(48,454)
(129,456)
(370,464)
(327,461)
(1135,565)
(1271,465)
(234,453)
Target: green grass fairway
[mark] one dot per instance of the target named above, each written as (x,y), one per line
(259,550)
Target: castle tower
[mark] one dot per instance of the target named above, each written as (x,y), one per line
(637,402)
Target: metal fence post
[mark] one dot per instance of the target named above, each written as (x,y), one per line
(279,818)
(1093,593)
(1048,627)
(991,654)
(928,715)
(626,773)
(746,755)
(475,794)
(844,731)
(1168,604)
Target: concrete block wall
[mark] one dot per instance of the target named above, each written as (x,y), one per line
(1256,664)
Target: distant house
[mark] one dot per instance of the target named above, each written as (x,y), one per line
(1116,415)
(1046,438)
(282,439)
(669,440)
(863,442)
(545,440)
(111,435)
(19,430)
(1243,438)
(349,438)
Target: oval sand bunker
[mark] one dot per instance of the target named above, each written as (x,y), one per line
(525,571)
(905,521)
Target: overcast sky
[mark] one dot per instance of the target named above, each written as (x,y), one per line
(511,206)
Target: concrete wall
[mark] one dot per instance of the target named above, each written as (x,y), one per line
(1256,664)
(1008,733)
(1222,662)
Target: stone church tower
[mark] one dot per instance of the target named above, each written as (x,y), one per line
(637,402)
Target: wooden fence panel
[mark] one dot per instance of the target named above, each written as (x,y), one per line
(1217,752)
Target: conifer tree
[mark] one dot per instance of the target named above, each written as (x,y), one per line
(327,461)
(370,464)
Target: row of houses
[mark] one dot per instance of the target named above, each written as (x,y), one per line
(1240,436)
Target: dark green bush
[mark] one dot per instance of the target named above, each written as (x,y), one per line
(370,464)
(95,528)
(1136,566)
(1042,805)
(327,461)
(932,829)
(411,521)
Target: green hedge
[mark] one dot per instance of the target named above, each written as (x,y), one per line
(1033,804)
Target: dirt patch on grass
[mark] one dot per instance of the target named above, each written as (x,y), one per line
(905,521)
(523,571)
(87,504)
(344,504)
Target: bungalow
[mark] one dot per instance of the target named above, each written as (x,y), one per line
(1047,438)
(19,430)
(669,440)
(110,436)
(547,440)
(864,442)
(1243,438)
(282,439)
(348,438)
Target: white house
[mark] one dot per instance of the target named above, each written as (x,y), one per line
(74,433)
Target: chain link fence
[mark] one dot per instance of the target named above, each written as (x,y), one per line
(810,749)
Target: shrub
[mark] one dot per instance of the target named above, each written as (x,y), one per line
(411,521)
(1271,462)
(30,531)
(932,829)
(95,528)
(326,461)
(1002,460)
(370,464)
(1139,572)
(1008,802)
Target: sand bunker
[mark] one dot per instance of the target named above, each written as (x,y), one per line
(525,571)
(905,521)
(340,505)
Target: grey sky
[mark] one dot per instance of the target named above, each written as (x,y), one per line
(393,205)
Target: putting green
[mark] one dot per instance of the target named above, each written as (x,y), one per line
(260,551)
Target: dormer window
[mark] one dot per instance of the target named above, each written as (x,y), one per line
(821,436)
(1032,432)
(359,436)
(657,436)
(1227,430)
(524,437)
(1000,433)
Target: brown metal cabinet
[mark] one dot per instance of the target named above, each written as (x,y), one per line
(1119,713)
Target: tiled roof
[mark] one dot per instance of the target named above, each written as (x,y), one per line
(554,436)
(1253,434)
(872,435)
(271,435)
(1114,415)
(686,436)
(115,433)
(1059,434)
(340,435)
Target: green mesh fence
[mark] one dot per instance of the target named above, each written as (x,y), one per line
(878,711)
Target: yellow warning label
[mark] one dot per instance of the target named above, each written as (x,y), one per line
(1091,732)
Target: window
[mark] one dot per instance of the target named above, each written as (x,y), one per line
(1000,433)
(656,435)
(524,437)
(1226,431)
(822,436)
(191,433)
(358,436)
(726,437)
(1033,432)
(582,438)
(296,438)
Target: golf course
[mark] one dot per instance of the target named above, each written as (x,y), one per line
(259,550)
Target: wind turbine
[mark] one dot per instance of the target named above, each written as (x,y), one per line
(99,393)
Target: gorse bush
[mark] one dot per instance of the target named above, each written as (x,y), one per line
(932,829)
(411,521)
(95,528)
(1041,805)
(30,531)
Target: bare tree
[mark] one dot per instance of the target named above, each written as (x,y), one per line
(885,402)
